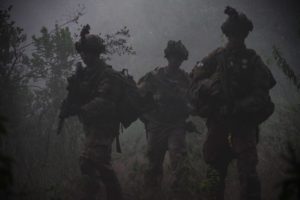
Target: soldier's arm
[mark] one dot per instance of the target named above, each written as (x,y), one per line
(206,67)
(200,72)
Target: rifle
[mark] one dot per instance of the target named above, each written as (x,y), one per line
(71,103)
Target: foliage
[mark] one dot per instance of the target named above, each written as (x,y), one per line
(291,184)
(11,37)
(12,71)
(285,67)
(117,43)
(11,78)
(53,58)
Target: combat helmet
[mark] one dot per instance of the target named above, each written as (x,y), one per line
(237,24)
(176,49)
(89,43)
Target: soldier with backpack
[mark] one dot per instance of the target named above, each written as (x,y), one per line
(230,88)
(103,99)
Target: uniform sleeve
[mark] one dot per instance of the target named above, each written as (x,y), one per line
(206,67)
(200,74)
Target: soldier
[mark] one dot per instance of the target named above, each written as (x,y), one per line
(94,96)
(165,125)
(230,88)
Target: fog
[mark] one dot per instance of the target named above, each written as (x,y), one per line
(153,22)
(197,24)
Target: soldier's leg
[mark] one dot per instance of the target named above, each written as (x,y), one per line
(244,143)
(90,183)
(96,163)
(217,154)
(157,147)
(178,161)
(107,174)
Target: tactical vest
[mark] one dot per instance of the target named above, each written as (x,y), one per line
(231,78)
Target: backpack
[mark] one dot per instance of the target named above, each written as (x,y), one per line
(131,104)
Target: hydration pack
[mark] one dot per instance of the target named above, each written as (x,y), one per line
(132,104)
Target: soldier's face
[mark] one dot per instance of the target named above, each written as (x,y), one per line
(235,39)
(175,61)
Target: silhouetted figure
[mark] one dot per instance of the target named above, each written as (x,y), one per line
(165,126)
(230,87)
(94,96)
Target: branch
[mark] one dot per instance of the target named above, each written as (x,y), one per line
(16,57)
(285,67)
(73,20)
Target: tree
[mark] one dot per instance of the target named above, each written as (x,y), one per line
(12,86)
(11,62)
(53,57)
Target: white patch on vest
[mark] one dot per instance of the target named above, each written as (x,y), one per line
(199,64)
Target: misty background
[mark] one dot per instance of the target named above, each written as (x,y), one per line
(152,23)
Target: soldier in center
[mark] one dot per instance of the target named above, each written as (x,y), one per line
(165,125)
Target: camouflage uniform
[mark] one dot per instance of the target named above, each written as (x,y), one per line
(165,126)
(232,91)
(101,125)
(97,95)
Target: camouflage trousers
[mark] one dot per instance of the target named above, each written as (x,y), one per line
(225,143)
(95,165)
(160,140)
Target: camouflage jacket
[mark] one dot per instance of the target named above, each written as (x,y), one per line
(99,91)
(169,91)
(236,78)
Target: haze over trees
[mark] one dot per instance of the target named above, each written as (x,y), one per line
(35,163)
